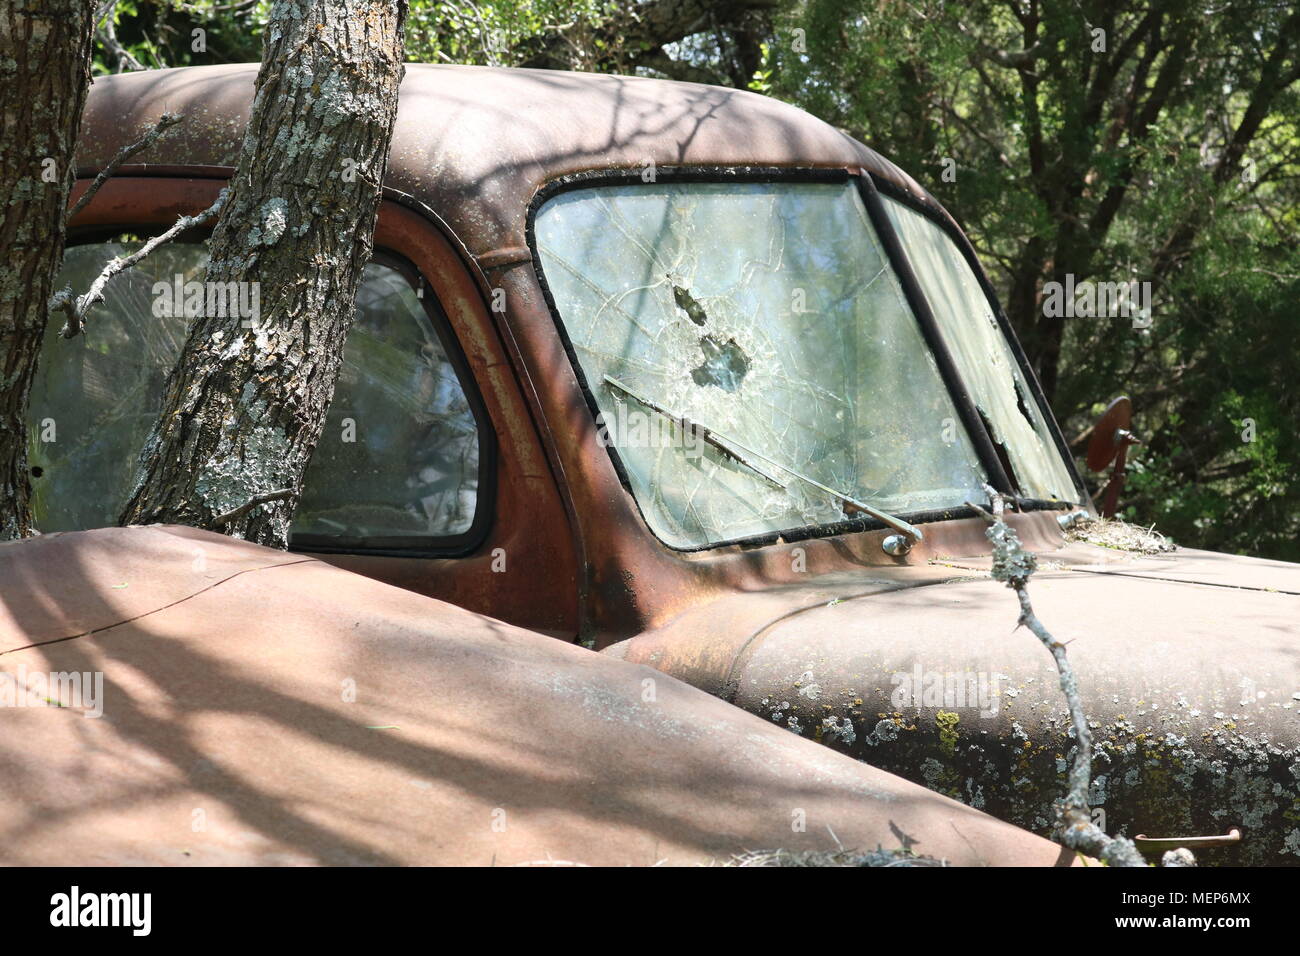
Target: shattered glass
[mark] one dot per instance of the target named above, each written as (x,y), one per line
(767,313)
(983,355)
(398,458)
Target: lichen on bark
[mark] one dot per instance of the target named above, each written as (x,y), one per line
(244,407)
(45,48)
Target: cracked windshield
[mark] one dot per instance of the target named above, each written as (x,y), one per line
(747,343)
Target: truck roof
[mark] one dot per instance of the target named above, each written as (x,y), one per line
(476,143)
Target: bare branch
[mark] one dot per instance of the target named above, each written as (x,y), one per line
(1012,59)
(256,501)
(76,307)
(1013,565)
(485,40)
(239,6)
(107,34)
(165,122)
(661,62)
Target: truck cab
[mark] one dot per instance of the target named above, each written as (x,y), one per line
(691,378)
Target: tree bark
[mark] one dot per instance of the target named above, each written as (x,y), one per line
(244,407)
(45,50)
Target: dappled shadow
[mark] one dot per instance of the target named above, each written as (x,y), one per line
(229,701)
(475,143)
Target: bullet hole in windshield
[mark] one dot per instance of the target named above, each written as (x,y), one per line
(686,302)
(770,313)
(725,364)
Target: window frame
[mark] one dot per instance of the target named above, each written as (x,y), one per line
(413,546)
(867,184)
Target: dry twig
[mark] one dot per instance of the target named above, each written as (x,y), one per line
(222,520)
(1013,565)
(165,122)
(76,307)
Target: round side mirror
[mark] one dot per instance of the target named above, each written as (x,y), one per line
(1109,443)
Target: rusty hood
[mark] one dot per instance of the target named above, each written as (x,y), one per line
(263,708)
(1189,662)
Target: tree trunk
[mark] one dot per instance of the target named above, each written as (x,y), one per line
(245,405)
(45,48)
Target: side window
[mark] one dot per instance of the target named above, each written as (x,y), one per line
(399,456)
(398,464)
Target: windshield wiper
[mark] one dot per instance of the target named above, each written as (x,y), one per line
(707,434)
(734,448)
